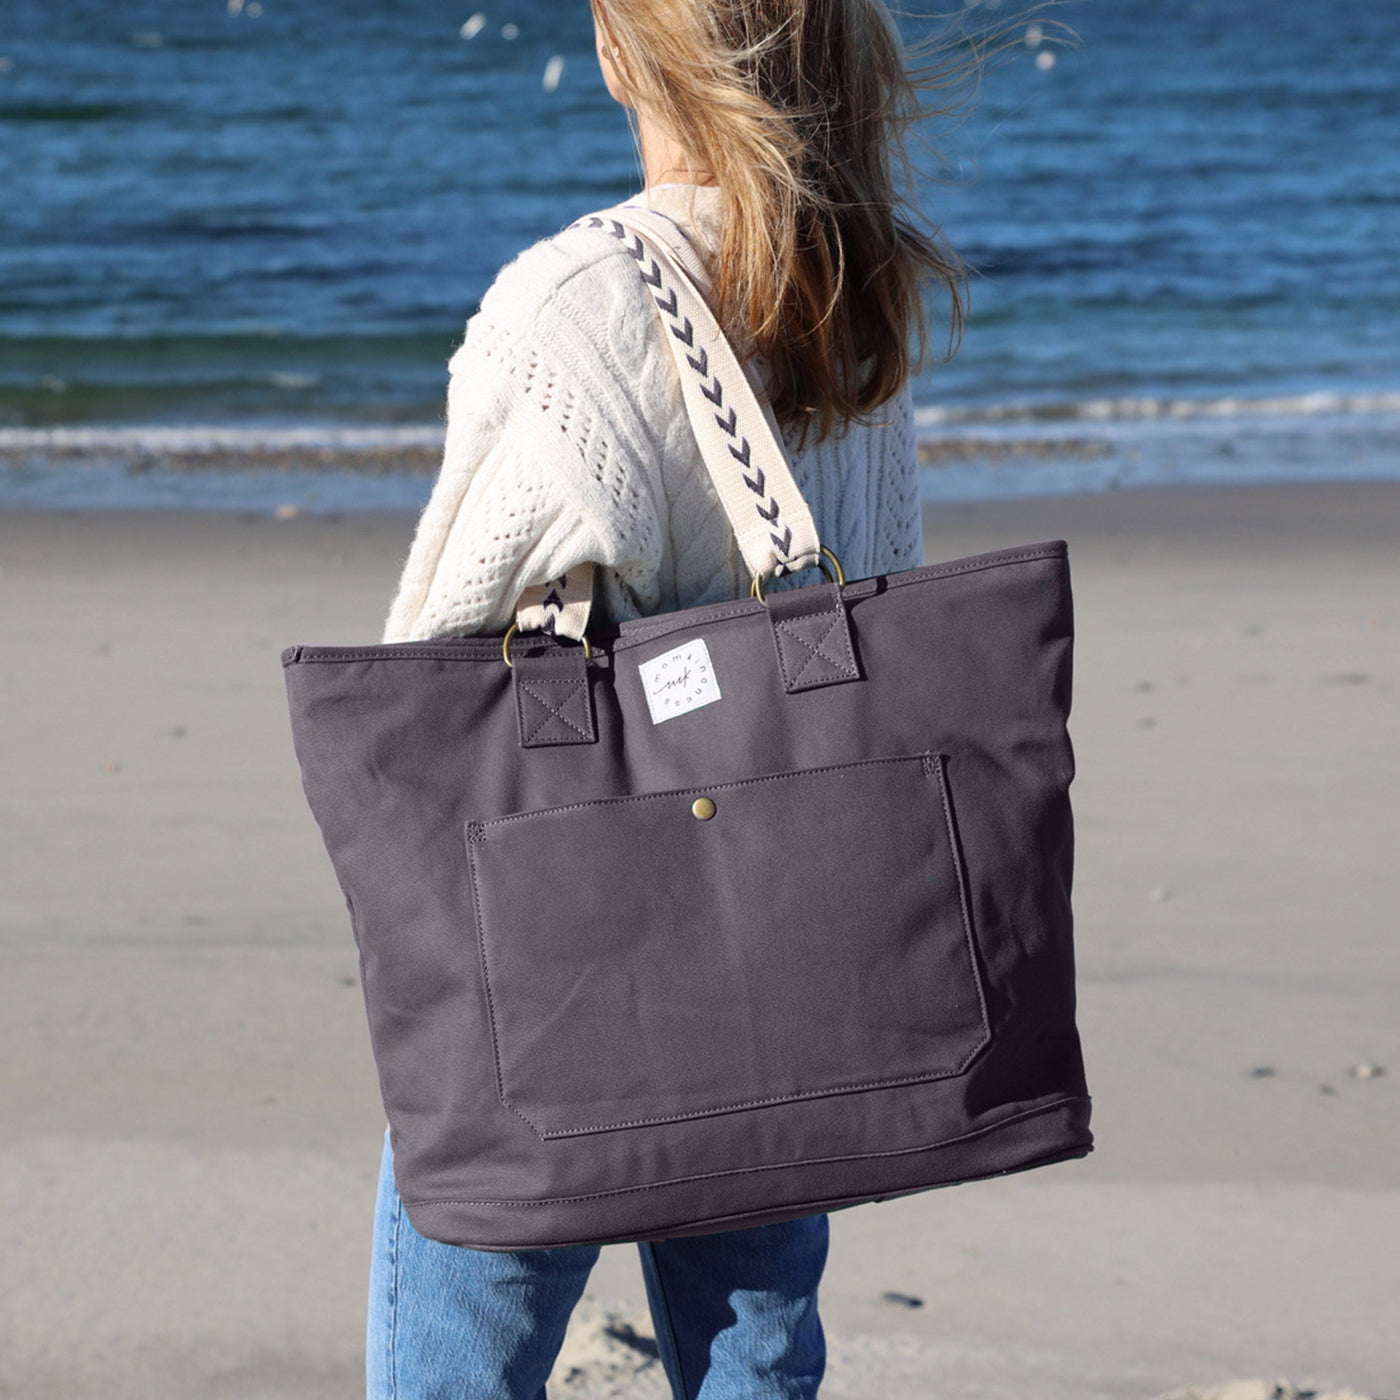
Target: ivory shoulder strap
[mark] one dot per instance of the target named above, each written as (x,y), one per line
(734,425)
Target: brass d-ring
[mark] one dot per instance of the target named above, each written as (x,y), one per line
(755,591)
(515,627)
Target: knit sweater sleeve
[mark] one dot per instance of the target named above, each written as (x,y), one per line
(522,494)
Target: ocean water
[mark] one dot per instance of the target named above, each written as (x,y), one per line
(259,220)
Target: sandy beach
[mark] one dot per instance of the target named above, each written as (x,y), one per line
(189,1121)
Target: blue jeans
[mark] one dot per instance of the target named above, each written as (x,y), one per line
(735,1313)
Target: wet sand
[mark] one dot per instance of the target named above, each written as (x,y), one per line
(189,1122)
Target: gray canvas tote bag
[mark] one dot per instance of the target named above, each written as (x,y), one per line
(722,916)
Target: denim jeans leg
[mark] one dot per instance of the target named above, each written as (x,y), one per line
(448,1323)
(736,1312)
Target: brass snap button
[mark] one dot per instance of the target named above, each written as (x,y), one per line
(703,807)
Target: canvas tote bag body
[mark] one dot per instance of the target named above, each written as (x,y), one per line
(727,915)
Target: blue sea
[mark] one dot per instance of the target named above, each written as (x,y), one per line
(249,232)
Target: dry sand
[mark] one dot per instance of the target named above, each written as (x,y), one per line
(189,1126)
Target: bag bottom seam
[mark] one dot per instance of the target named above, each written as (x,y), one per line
(1066,1102)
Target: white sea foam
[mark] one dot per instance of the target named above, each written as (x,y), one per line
(1137,410)
(340,467)
(1031,418)
(201,438)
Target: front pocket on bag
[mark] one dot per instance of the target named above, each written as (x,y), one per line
(643,964)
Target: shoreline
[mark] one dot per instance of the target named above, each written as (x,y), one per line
(1181,509)
(327,469)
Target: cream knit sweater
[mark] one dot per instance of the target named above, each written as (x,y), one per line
(568,441)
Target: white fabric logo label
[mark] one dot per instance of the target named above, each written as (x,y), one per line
(679,681)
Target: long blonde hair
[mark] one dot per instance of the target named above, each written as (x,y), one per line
(800,108)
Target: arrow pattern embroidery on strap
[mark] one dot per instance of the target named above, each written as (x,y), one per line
(710,386)
(553,603)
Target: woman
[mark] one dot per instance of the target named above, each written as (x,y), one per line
(770,131)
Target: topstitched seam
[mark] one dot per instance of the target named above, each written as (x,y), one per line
(558,714)
(427,651)
(815,648)
(700,787)
(1051,1107)
(486,980)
